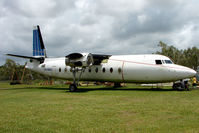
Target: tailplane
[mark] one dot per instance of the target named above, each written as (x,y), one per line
(39,52)
(38,44)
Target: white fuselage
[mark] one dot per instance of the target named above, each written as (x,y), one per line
(120,68)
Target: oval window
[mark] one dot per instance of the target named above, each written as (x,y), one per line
(103,70)
(119,70)
(96,69)
(111,69)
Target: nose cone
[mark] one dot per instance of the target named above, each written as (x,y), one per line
(188,72)
(183,72)
(191,73)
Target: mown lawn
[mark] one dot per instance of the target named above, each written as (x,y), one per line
(97,109)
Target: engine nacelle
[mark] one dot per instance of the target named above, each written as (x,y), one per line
(79,60)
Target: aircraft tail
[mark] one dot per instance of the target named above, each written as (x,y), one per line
(38,44)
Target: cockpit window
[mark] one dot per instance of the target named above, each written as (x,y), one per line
(158,62)
(168,62)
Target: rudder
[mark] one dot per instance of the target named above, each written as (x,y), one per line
(38,45)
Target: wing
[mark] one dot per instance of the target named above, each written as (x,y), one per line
(98,58)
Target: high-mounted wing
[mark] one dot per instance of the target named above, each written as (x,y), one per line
(98,58)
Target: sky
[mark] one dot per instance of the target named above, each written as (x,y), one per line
(97,26)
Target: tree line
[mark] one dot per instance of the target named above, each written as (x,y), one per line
(187,57)
(12,70)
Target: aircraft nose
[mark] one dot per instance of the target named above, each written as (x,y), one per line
(191,73)
(185,72)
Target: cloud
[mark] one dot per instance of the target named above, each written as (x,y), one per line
(110,27)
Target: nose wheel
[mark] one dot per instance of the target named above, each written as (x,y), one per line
(181,86)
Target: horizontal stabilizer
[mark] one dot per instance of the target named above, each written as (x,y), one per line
(26,57)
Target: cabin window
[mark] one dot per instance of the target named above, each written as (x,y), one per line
(89,70)
(43,65)
(104,70)
(59,69)
(111,69)
(65,69)
(96,69)
(158,62)
(168,62)
(119,70)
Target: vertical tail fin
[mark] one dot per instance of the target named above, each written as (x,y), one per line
(38,45)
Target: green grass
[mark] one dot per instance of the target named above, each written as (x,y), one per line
(97,109)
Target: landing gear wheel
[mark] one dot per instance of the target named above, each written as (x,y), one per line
(175,87)
(73,88)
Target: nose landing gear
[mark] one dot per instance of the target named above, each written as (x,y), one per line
(181,85)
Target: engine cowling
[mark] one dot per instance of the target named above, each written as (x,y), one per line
(79,60)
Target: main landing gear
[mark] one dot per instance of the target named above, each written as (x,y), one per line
(73,86)
(181,85)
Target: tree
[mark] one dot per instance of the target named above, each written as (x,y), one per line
(188,57)
(8,69)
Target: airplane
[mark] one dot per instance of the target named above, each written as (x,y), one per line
(146,68)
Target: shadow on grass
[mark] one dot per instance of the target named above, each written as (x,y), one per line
(88,89)
(83,90)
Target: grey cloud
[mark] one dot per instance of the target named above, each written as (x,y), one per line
(110,27)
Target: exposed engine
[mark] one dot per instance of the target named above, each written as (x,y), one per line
(79,60)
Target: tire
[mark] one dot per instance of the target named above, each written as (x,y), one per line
(178,87)
(72,88)
(175,87)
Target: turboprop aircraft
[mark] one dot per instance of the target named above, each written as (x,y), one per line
(147,68)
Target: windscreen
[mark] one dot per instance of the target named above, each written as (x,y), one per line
(168,62)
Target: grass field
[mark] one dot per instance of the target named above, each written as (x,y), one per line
(97,109)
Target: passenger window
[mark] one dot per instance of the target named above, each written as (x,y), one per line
(89,70)
(158,62)
(96,69)
(103,70)
(59,69)
(111,69)
(119,70)
(43,65)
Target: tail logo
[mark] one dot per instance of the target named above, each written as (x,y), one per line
(38,45)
